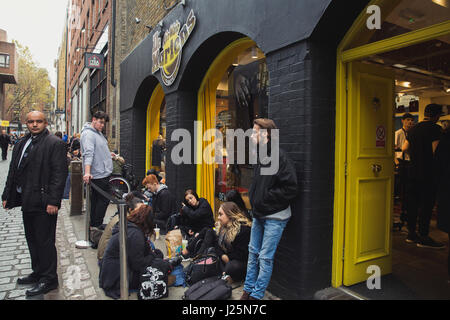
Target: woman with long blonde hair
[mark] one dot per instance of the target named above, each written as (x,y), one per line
(229,242)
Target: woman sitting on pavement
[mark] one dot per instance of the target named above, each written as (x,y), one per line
(195,215)
(163,202)
(140,255)
(133,202)
(230,241)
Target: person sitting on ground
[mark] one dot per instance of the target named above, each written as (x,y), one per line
(230,241)
(140,226)
(195,215)
(133,202)
(235,196)
(163,202)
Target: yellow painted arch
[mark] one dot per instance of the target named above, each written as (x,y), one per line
(206,114)
(153,118)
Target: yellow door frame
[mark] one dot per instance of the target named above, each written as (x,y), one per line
(206,114)
(153,118)
(343,57)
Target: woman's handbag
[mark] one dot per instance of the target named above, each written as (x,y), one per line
(154,281)
(202,267)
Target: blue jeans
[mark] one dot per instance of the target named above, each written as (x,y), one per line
(264,239)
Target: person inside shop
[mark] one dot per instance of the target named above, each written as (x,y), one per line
(163,202)
(402,161)
(195,215)
(443,184)
(421,143)
(140,225)
(229,242)
(235,196)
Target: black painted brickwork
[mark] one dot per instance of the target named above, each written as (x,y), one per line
(302,104)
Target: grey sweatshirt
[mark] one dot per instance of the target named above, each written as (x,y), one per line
(95,152)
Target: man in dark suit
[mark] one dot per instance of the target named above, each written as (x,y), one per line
(35,182)
(5,141)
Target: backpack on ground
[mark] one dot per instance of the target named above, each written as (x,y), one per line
(202,267)
(213,288)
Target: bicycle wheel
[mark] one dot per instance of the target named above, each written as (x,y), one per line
(119,186)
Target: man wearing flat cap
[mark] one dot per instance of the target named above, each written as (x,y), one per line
(421,144)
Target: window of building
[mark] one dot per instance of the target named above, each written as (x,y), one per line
(99,87)
(4,60)
(241,96)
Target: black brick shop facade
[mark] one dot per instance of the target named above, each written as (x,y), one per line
(299,40)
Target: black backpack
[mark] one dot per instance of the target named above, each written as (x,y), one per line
(213,288)
(202,267)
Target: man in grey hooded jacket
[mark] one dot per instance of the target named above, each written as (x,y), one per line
(97,164)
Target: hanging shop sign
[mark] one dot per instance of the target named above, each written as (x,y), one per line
(167,57)
(94,61)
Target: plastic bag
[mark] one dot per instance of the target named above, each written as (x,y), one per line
(174,243)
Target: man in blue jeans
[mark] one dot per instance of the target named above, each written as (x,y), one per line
(270,197)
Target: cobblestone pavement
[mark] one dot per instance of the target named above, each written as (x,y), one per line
(74,278)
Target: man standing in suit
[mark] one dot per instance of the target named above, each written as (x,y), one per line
(5,141)
(35,182)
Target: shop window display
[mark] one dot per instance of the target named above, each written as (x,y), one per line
(241,97)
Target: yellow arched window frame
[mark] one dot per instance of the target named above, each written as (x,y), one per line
(344,56)
(206,115)
(153,119)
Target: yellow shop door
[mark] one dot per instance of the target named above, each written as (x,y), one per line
(370,171)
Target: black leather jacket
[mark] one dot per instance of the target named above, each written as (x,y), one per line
(270,194)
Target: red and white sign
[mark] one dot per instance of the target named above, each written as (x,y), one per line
(381,137)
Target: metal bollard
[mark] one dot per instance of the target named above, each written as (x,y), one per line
(84,244)
(123,252)
(76,188)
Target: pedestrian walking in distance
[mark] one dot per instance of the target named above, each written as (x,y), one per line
(35,182)
(5,141)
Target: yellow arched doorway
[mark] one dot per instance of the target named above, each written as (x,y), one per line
(364,156)
(217,109)
(156,130)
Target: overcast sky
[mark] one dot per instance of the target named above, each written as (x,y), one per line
(37,24)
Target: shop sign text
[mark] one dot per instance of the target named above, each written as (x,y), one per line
(168,58)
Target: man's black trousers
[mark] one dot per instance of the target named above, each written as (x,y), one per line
(40,232)
(99,204)
(421,199)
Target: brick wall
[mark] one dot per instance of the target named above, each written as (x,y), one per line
(127,36)
(301,102)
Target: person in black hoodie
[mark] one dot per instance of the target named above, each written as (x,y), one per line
(163,202)
(140,255)
(196,214)
(271,194)
(230,241)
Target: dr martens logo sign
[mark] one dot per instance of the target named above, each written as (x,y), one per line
(168,58)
